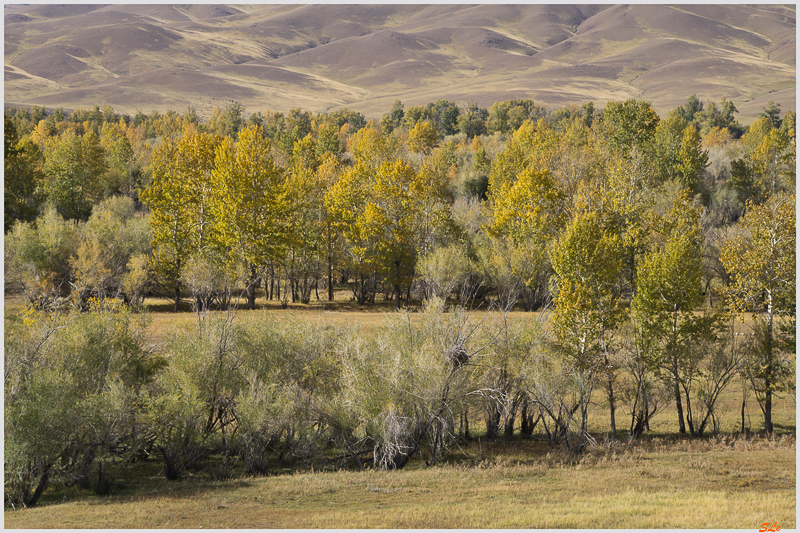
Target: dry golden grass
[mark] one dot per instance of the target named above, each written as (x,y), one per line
(664,483)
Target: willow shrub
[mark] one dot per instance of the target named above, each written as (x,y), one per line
(71,388)
(190,407)
(249,388)
(291,378)
(404,384)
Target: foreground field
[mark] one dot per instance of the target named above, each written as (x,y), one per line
(724,482)
(660,481)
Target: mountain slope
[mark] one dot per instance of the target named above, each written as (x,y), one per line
(145,57)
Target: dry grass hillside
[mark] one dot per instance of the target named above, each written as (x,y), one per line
(321,57)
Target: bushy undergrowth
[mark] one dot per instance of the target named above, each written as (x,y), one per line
(86,399)
(73,386)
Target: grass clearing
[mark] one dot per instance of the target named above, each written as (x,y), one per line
(723,482)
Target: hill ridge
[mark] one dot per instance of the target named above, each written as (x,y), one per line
(364,56)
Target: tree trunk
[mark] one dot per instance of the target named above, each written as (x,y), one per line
(529,420)
(689,419)
(252,283)
(330,267)
(271,281)
(674,356)
(584,416)
(744,404)
(768,381)
(43,480)
(397,285)
(612,408)
(508,432)
(493,422)
(610,391)
(361,293)
(177,288)
(177,297)
(679,406)
(768,408)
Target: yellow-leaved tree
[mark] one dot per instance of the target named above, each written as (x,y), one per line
(345,201)
(306,221)
(587,260)
(250,204)
(762,262)
(385,217)
(179,199)
(528,209)
(668,282)
(423,137)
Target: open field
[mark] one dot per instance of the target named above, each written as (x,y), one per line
(724,482)
(326,57)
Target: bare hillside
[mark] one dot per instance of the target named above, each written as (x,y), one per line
(319,57)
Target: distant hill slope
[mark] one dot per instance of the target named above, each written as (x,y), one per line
(318,57)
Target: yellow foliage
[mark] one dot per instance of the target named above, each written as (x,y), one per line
(423,137)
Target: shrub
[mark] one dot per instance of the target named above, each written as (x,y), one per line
(405,384)
(71,387)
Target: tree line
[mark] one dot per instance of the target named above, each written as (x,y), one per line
(334,198)
(642,237)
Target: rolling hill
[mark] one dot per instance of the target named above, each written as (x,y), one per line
(323,57)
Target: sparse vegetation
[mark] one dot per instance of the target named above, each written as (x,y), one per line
(279,57)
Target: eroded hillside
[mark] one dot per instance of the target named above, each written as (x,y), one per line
(146,57)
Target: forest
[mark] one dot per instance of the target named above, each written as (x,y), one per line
(648,262)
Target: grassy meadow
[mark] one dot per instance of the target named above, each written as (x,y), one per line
(660,481)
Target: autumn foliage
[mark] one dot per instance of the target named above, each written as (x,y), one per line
(638,238)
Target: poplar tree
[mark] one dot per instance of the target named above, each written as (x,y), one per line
(762,263)
(74,167)
(179,199)
(249,204)
(587,259)
(668,283)
(22,177)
